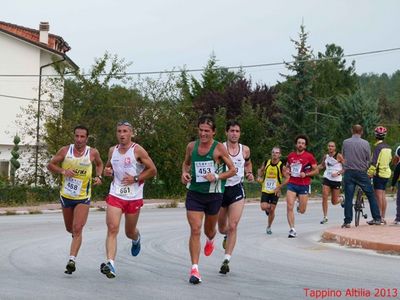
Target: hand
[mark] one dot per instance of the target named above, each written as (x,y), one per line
(68,173)
(128,179)
(303,175)
(97,181)
(335,174)
(250,177)
(108,171)
(277,191)
(210,177)
(186,178)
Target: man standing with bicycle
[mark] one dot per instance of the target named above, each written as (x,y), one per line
(357,156)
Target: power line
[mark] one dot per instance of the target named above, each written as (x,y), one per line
(219,68)
(22,98)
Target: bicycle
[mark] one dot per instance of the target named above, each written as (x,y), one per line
(359,206)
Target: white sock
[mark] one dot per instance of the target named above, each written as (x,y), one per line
(227,256)
(111,262)
(195,266)
(71,257)
(136,241)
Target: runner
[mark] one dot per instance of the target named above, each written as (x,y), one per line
(379,169)
(302,165)
(130,165)
(204,173)
(233,199)
(332,163)
(75,163)
(271,176)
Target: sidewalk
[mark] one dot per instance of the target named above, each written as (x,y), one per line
(381,238)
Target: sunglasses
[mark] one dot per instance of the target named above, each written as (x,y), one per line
(124,123)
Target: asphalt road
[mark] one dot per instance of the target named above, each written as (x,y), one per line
(34,251)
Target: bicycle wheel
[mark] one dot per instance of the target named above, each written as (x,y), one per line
(358,207)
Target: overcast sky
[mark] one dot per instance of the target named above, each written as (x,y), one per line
(164,34)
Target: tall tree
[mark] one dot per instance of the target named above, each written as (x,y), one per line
(295,100)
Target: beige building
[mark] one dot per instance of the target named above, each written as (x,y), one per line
(27,60)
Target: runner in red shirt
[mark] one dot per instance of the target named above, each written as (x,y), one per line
(301,166)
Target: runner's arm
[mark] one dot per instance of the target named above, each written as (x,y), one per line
(54,164)
(186,177)
(108,171)
(248,166)
(99,166)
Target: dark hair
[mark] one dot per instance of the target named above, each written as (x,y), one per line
(83,128)
(231,123)
(207,119)
(301,136)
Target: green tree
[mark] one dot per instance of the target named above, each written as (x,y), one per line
(15,164)
(358,108)
(295,100)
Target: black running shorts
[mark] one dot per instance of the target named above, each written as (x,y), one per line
(269,198)
(232,194)
(209,203)
(332,184)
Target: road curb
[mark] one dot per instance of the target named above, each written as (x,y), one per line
(379,238)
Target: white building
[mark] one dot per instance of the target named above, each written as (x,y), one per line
(25,54)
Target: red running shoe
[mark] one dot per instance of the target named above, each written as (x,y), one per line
(209,247)
(195,277)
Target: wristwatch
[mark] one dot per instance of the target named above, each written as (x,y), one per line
(135,178)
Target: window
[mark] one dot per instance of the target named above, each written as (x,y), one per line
(4,168)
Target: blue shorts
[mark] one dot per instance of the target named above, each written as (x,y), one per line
(298,189)
(232,194)
(209,203)
(70,203)
(380,183)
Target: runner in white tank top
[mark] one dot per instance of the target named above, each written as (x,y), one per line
(233,200)
(332,178)
(123,164)
(129,165)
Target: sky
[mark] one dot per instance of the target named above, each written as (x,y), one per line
(159,35)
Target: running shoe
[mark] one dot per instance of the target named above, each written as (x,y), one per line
(108,270)
(224,267)
(346,225)
(324,220)
(135,249)
(70,267)
(269,231)
(396,222)
(383,221)
(224,242)
(195,277)
(292,233)
(209,247)
(374,222)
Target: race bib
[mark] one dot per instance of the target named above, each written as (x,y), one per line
(125,190)
(202,168)
(270,184)
(295,169)
(72,186)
